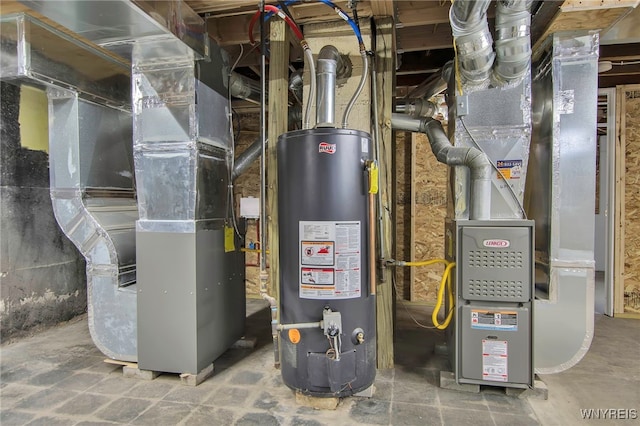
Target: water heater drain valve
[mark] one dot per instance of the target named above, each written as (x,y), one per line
(332,322)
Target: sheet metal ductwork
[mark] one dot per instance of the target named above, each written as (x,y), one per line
(560,196)
(91,167)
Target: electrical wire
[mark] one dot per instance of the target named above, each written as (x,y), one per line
(511,191)
(232,155)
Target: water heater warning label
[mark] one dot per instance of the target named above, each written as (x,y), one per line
(329,261)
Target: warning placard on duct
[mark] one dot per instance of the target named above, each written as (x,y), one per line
(495,357)
(330,260)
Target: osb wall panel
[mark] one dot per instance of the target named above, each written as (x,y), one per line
(430,211)
(632,203)
(248,185)
(403,211)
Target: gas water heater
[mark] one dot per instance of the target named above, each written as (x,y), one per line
(328,342)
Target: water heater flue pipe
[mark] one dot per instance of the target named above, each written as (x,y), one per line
(476,160)
(329,60)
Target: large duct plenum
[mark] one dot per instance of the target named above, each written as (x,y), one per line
(473,42)
(191,304)
(513,41)
(116,24)
(91,166)
(492,116)
(498,122)
(93,198)
(560,197)
(474,160)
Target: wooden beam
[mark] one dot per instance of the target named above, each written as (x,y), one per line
(585,15)
(619,52)
(412,138)
(385,66)
(381,8)
(427,37)
(421,13)
(278,101)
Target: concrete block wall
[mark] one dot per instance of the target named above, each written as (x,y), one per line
(42,275)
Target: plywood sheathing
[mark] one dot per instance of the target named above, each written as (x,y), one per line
(632,200)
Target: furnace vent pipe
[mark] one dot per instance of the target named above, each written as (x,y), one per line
(328,62)
(513,40)
(472,39)
(477,161)
(416,108)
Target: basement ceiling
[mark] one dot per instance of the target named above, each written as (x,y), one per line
(423,35)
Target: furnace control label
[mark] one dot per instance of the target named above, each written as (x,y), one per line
(329,262)
(494,360)
(510,169)
(494,320)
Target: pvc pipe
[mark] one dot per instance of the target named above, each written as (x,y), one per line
(476,160)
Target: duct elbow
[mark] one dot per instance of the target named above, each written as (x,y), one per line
(473,40)
(513,41)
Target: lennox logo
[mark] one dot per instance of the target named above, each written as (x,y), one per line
(327,148)
(496,243)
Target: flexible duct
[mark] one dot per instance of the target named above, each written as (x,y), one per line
(476,160)
(513,41)
(472,40)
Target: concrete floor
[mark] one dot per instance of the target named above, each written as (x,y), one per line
(58,377)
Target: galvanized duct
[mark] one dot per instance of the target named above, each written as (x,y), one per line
(472,40)
(560,194)
(477,162)
(91,167)
(513,40)
(93,200)
(244,88)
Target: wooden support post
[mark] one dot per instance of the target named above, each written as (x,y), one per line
(413,140)
(278,101)
(385,78)
(618,242)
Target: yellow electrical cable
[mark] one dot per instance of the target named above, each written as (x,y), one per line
(445,283)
